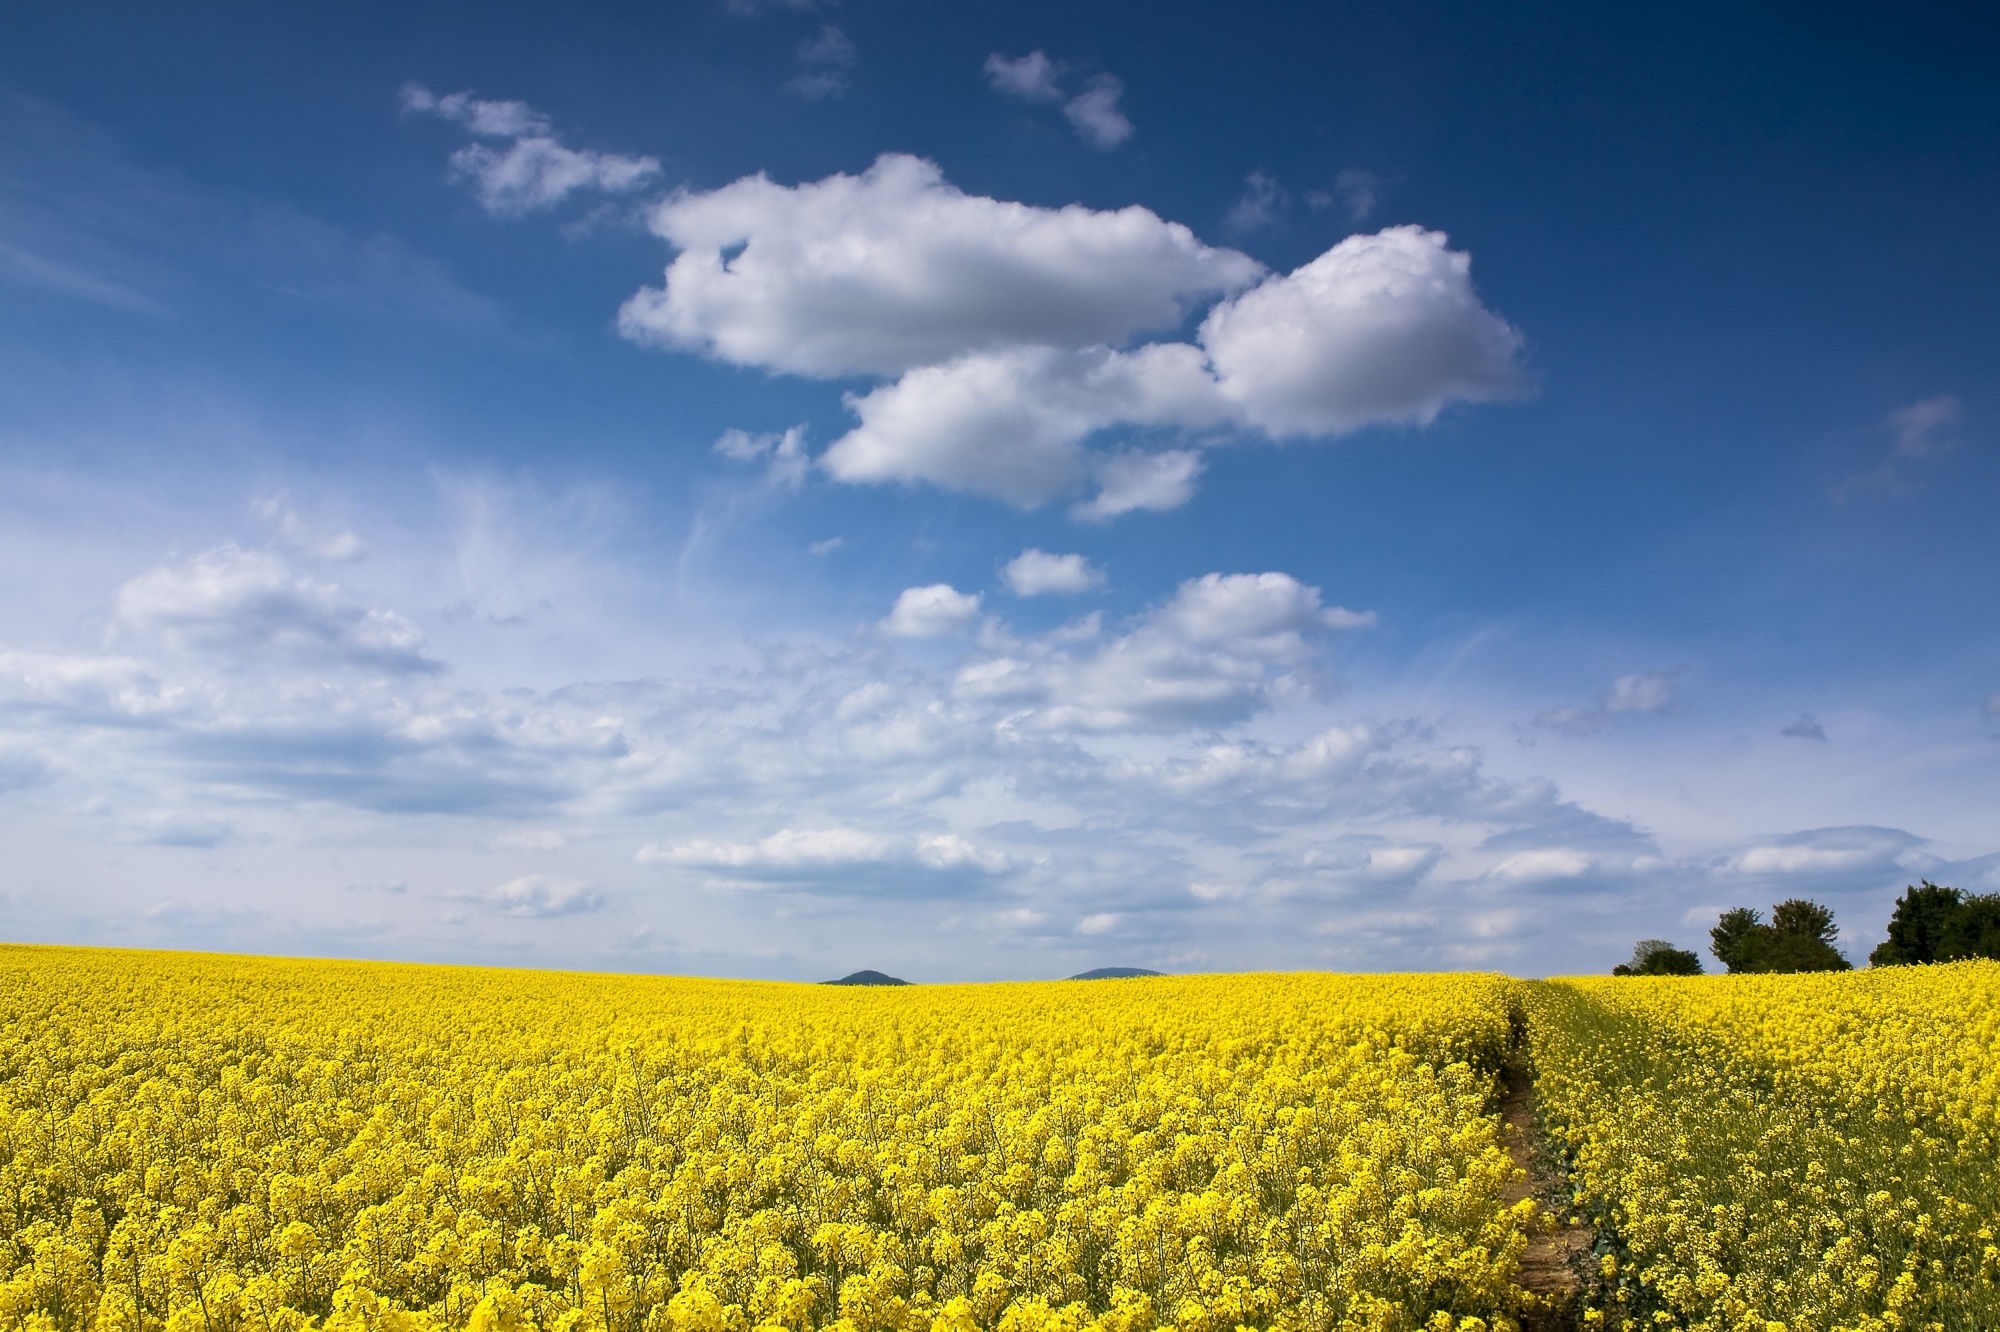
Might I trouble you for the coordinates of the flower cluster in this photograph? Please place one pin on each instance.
(1801, 1151)
(221, 1144)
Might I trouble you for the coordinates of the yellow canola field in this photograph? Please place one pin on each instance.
(215, 1143)
(1813, 1153)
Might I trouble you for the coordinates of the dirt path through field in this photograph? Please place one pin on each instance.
(1548, 1268)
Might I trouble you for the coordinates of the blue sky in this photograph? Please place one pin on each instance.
(771, 488)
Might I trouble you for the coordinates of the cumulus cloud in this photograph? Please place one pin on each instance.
(248, 605)
(1093, 113)
(1134, 481)
(1011, 424)
(931, 612)
(1381, 329)
(1031, 77)
(1186, 769)
(1005, 330)
(1035, 573)
(1223, 648)
(1641, 692)
(1807, 727)
(516, 164)
(896, 268)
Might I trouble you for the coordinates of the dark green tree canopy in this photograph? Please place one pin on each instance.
(1917, 926)
(1657, 957)
(1938, 924)
(1799, 938)
(1735, 938)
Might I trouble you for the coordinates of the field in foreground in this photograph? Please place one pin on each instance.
(229, 1143)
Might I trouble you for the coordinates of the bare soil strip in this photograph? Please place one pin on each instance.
(1549, 1269)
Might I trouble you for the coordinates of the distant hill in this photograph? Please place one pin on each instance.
(1115, 973)
(869, 978)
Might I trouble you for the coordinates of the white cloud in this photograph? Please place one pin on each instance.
(1918, 428)
(931, 612)
(1829, 853)
(1918, 433)
(248, 604)
(1093, 113)
(304, 537)
(819, 853)
(1095, 116)
(1220, 650)
(528, 168)
(823, 548)
(1134, 481)
(1035, 573)
(783, 454)
(1267, 610)
(1098, 922)
(540, 897)
(1011, 423)
(824, 61)
(1542, 865)
(1648, 691)
(1381, 329)
(1642, 692)
(1031, 77)
(896, 268)
(1261, 202)
(1357, 192)
(1001, 326)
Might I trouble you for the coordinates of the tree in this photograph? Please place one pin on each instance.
(1917, 926)
(1799, 938)
(1937, 924)
(1657, 957)
(1802, 936)
(1736, 939)
(1973, 930)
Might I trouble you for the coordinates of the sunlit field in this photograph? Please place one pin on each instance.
(1811, 1151)
(231, 1143)
(219, 1142)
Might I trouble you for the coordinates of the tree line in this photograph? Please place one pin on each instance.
(1931, 923)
